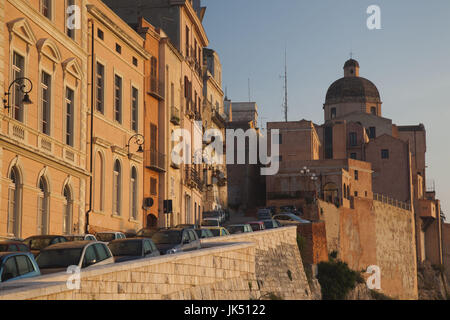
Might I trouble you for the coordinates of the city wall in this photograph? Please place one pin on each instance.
(237, 267)
(375, 233)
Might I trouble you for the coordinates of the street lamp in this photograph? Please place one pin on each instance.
(305, 172)
(139, 140)
(22, 86)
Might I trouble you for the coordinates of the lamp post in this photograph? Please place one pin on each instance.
(305, 172)
(22, 88)
(139, 140)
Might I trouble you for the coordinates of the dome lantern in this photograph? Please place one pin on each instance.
(351, 68)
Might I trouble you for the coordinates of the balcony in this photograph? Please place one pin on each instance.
(175, 115)
(218, 118)
(155, 160)
(155, 87)
(192, 178)
(427, 209)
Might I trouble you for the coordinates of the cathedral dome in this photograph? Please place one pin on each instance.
(352, 87)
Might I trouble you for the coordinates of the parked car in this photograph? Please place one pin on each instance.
(215, 214)
(211, 222)
(257, 225)
(263, 214)
(84, 254)
(204, 233)
(218, 231)
(289, 219)
(193, 226)
(132, 249)
(175, 240)
(17, 265)
(37, 243)
(146, 232)
(271, 224)
(13, 246)
(109, 236)
(239, 228)
(80, 237)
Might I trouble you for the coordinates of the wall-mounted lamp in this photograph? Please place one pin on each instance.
(22, 87)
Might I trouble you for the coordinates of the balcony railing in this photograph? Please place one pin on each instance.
(155, 87)
(155, 160)
(175, 115)
(391, 201)
(192, 178)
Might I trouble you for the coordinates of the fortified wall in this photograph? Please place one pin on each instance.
(234, 267)
(375, 233)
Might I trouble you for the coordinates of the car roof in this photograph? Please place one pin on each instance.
(70, 245)
(255, 222)
(44, 237)
(211, 227)
(129, 239)
(238, 225)
(4, 255)
(11, 242)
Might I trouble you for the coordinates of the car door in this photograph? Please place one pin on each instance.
(9, 270)
(193, 240)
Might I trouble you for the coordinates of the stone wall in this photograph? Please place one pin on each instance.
(233, 267)
(446, 250)
(375, 233)
(315, 249)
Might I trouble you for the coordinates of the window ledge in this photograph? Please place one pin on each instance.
(115, 216)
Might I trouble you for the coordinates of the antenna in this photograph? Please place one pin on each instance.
(285, 104)
(249, 99)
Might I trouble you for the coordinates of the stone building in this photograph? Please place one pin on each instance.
(119, 91)
(43, 156)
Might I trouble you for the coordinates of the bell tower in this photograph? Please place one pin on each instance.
(351, 68)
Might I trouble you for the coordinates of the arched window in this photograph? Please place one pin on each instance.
(117, 188)
(134, 195)
(99, 183)
(14, 203)
(345, 191)
(43, 210)
(67, 211)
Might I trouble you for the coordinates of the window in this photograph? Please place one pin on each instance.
(43, 210)
(356, 193)
(117, 192)
(17, 98)
(100, 34)
(353, 140)
(69, 116)
(46, 81)
(23, 265)
(46, 8)
(100, 85)
(89, 255)
(153, 183)
(118, 99)
(67, 211)
(371, 132)
(14, 203)
(281, 139)
(373, 110)
(134, 191)
(333, 113)
(118, 48)
(356, 174)
(102, 252)
(353, 156)
(384, 154)
(187, 41)
(135, 61)
(134, 109)
(70, 31)
(9, 269)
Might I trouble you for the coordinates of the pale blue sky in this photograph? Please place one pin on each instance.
(408, 60)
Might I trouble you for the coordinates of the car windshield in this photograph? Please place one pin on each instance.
(105, 237)
(167, 237)
(126, 248)
(209, 223)
(215, 232)
(235, 229)
(38, 244)
(146, 233)
(268, 224)
(59, 258)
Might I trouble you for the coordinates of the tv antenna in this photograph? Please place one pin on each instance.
(285, 87)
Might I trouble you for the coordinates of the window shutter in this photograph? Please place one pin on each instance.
(11, 211)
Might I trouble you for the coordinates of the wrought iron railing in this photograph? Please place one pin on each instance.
(155, 160)
(392, 201)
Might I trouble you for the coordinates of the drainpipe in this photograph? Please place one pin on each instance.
(86, 228)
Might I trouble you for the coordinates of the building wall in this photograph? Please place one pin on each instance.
(446, 249)
(111, 137)
(391, 177)
(36, 153)
(375, 233)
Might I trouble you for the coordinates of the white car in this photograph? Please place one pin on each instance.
(109, 236)
(211, 222)
(83, 254)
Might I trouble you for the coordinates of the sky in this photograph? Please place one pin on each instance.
(408, 60)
